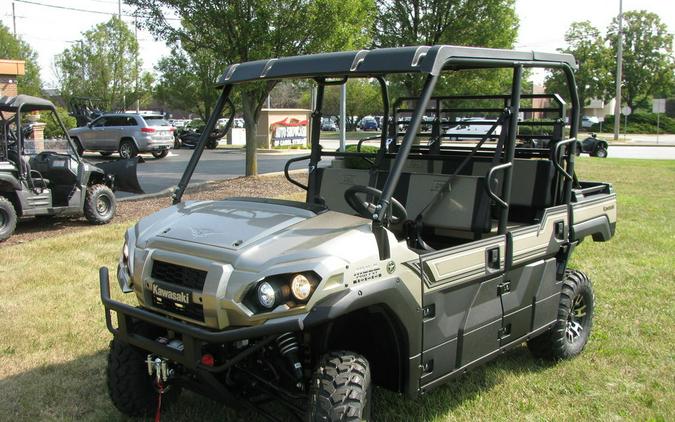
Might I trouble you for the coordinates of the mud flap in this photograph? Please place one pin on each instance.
(124, 175)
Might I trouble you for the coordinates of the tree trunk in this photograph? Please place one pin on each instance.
(250, 123)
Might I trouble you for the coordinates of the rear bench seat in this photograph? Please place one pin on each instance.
(467, 208)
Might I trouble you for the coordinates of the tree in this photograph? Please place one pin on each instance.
(595, 77)
(488, 23)
(104, 65)
(648, 62)
(16, 49)
(186, 80)
(241, 31)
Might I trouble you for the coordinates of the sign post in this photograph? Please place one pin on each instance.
(626, 110)
(658, 107)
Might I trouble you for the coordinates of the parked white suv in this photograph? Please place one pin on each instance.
(473, 128)
(126, 133)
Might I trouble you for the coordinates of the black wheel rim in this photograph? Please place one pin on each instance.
(576, 321)
(102, 205)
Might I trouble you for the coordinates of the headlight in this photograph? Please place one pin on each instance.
(289, 289)
(267, 295)
(301, 287)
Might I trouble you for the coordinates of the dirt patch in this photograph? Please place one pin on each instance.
(255, 186)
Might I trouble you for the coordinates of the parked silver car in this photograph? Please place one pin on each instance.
(126, 133)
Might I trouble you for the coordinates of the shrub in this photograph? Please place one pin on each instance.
(640, 122)
(52, 129)
(357, 162)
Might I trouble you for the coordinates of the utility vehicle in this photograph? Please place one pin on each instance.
(46, 177)
(433, 259)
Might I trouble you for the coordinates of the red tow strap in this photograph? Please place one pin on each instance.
(159, 403)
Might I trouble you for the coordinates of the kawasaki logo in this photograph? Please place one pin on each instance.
(171, 295)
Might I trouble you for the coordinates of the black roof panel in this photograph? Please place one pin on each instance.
(25, 102)
(422, 59)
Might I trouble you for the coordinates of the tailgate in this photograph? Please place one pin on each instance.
(594, 211)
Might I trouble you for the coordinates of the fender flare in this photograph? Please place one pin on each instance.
(10, 180)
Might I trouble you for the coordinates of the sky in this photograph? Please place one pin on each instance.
(543, 24)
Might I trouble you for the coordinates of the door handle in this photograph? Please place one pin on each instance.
(492, 260)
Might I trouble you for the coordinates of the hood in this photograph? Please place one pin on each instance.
(229, 224)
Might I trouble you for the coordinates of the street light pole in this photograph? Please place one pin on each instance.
(14, 19)
(619, 60)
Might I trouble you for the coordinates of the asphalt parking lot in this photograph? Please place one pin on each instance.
(156, 175)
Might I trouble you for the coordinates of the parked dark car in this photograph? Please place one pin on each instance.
(368, 123)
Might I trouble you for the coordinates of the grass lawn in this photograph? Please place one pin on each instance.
(53, 340)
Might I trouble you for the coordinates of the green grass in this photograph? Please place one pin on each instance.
(53, 339)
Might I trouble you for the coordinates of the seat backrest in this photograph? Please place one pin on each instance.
(463, 206)
(333, 182)
(531, 182)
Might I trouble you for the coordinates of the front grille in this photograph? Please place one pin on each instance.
(192, 310)
(179, 275)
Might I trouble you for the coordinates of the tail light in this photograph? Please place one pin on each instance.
(147, 129)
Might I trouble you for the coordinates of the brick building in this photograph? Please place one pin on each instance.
(9, 70)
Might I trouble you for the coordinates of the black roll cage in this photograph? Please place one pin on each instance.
(16, 117)
(563, 164)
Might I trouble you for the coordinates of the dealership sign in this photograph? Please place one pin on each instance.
(289, 131)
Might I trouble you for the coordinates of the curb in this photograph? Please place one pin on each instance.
(640, 145)
(197, 187)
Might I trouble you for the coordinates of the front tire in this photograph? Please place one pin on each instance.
(7, 218)
(341, 389)
(99, 204)
(130, 387)
(569, 335)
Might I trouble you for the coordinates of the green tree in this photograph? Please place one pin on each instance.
(648, 62)
(241, 31)
(104, 65)
(488, 23)
(186, 80)
(17, 49)
(595, 76)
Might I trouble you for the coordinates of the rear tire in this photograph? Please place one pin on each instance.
(341, 389)
(127, 149)
(99, 204)
(160, 154)
(212, 144)
(569, 335)
(7, 218)
(130, 387)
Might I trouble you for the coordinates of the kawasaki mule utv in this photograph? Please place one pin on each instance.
(403, 268)
(46, 177)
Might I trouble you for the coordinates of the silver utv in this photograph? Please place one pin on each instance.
(402, 268)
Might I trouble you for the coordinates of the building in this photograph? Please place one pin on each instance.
(9, 71)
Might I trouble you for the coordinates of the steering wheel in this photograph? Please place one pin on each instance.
(367, 208)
